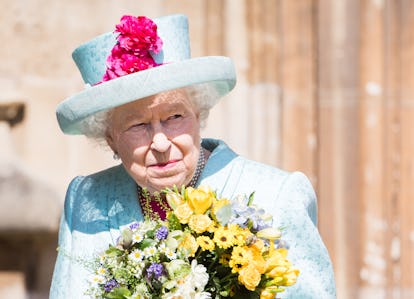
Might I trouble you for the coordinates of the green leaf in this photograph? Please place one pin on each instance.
(147, 243)
(119, 293)
(251, 198)
(113, 251)
(174, 223)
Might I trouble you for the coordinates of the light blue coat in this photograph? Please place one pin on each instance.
(96, 206)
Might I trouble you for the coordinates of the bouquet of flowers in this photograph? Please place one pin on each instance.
(208, 247)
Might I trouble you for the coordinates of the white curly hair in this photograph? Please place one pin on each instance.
(203, 95)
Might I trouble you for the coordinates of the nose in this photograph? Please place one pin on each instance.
(160, 142)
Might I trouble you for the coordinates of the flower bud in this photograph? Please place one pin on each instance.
(200, 200)
(269, 233)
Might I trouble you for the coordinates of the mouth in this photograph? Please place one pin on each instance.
(164, 164)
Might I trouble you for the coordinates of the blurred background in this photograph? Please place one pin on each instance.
(325, 87)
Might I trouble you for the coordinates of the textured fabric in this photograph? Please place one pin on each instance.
(97, 206)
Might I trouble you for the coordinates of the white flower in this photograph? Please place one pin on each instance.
(137, 237)
(170, 254)
(172, 239)
(202, 295)
(178, 269)
(147, 226)
(136, 268)
(184, 292)
(136, 255)
(101, 271)
(162, 248)
(199, 275)
(97, 279)
(141, 291)
(193, 285)
(150, 251)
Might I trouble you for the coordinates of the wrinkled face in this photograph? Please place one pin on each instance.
(157, 139)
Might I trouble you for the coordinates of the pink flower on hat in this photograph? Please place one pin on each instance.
(137, 37)
(138, 34)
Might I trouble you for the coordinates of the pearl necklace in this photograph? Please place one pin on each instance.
(156, 207)
(200, 166)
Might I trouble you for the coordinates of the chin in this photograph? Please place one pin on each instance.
(158, 185)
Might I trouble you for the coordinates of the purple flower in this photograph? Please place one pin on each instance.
(111, 284)
(155, 271)
(247, 216)
(161, 233)
(133, 225)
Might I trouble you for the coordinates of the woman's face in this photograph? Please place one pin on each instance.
(157, 139)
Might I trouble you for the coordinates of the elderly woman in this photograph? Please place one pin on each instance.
(147, 99)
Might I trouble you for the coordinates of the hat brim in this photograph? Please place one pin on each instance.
(215, 70)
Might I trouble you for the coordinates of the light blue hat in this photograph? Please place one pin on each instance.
(178, 70)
